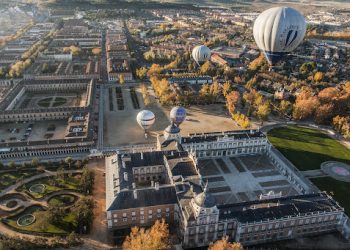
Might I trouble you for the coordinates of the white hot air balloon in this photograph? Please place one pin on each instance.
(278, 31)
(178, 115)
(145, 119)
(201, 54)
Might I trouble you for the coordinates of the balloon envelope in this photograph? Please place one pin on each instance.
(201, 54)
(178, 115)
(145, 119)
(278, 31)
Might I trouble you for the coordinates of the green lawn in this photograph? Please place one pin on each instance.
(62, 200)
(68, 183)
(41, 224)
(9, 178)
(338, 189)
(307, 148)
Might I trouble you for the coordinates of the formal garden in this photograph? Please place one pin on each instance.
(47, 199)
(307, 149)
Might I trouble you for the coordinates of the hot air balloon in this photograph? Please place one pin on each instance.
(278, 31)
(145, 119)
(201, 54)
(177, 115)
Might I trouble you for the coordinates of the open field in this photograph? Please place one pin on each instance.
(121, 127)
(307, 148)
(338, 189)
(12, 132)
(206, 118)
(120, 118)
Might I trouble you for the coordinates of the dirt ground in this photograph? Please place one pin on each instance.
(99, 232)
(120, 126)
(206, 118)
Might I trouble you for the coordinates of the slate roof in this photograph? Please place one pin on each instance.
(145, 198)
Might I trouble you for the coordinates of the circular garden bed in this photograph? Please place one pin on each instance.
(62, 200)
(37, 188)
(11, 203)
(26, 220)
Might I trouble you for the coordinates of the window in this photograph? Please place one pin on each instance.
(159, 210)
(142, 221)
(115, 221)
(159, 215)
(115, 215)
(307, 221)
(263, 227)
(125, 219)
(150, 211)
(257, 228)
(167, 214)
(124, 214)
(141, 212)
(133, 213)
(167, 209)
(301, 222)
(133, 218)
(149, 216)
(142, 217)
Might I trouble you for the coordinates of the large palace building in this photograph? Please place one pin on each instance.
(210, 185)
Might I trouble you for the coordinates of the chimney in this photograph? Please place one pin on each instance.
(135, 194)
(156, 185)
(125, 176)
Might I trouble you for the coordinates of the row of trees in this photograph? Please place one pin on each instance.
(145, 95)
(157, 238)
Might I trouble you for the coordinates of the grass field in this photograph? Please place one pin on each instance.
(41, 223)
(51, 186)
(338, 189)
(307, 148)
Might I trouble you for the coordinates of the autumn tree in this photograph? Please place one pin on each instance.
(155, 238)
(121, 79)
(96, 51)
(224, 244)
(305, 105)
(226, 89)
(232, 99)
(207, 68)
(257, 63)
(141, 73)
(263, 110)
(341, 124)
(285, 107)
(318, 77)
(154, 70)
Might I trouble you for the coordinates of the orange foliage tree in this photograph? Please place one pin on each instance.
(155, 238)
(224, 244)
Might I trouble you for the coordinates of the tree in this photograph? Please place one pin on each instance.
(155, 238)
(226, 88)
(263, 111)
(96, 51)
(55, 214)
(154, 70)
(60, 174)
(69, 160)
(324, 113)
(285, 107)
(141, 73)
(232, 99)
(83, 212)
(318, 77)
(207, 68)
(224, 244)
(73, 239)
(86, 181)
(251, 83)
(35, 162)
(12, 164)
(121, 79)
(78, 164)
(305, 105)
